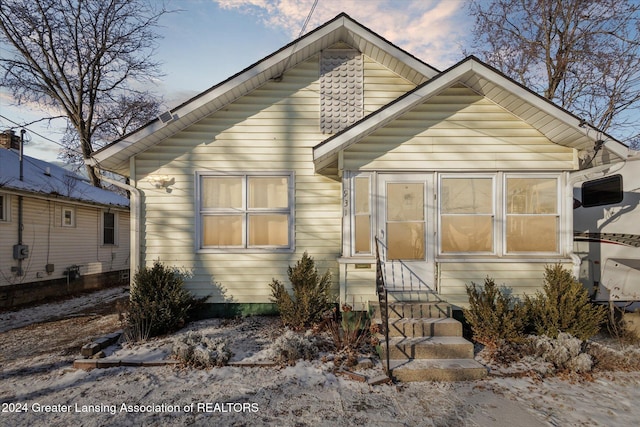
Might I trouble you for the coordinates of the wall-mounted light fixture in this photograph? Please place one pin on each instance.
(159, 181)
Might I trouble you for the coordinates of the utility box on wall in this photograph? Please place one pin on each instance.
(72, 272)
(20, 251)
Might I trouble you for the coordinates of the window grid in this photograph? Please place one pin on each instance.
(524, 216)
(68, 217)
(468, 213)
(108, 228)
(246, 220)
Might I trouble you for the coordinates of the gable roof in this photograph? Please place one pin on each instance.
(342, 28)
(554, 122)
(54, 182)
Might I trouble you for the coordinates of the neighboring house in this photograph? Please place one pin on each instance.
(59, 234)
(341, 137)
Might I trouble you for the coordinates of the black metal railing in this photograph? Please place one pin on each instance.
(383, 301)
(399, 278)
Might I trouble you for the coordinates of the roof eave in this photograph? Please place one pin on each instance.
(114, 157)
(467, 71)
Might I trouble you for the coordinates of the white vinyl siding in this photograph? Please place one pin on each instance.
(522, 277)
(274, 128)
(50, 243)
(458, 130)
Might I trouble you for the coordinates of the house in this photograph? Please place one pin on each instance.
(59, 234)
(339, 139)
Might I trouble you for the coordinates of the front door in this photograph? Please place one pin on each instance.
(405, 226)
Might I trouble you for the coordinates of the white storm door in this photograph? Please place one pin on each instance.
(405, 223)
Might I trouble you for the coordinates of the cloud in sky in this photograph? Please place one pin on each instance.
(432, 30)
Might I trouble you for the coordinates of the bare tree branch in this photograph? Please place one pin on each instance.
(582, 54)
(83, 57)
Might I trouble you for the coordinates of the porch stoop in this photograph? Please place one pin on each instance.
(426, 343)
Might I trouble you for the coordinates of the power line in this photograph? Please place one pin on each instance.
(41, 136)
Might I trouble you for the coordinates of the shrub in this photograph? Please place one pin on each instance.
(159, 304)
(564, 306)
(607, 358)
(197, 350)
(311, 294)
(349, 332)
(291, 346)
(495, 318)
(566, 353)
(620, 328)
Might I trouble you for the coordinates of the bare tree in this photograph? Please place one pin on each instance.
(123, 116)
(88, 58)
(582, 54)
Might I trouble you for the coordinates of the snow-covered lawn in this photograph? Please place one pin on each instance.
(42, 388)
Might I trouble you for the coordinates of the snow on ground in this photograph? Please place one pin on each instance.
(54, 310)
(45, 390)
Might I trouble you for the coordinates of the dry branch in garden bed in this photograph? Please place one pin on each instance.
(88, 364)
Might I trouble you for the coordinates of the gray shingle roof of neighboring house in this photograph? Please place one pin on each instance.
(46, 179)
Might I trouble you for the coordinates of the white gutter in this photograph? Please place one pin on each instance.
(134, 223)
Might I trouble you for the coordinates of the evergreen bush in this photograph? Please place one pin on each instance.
(494, 317)
(311, 294)
(159, 304)
(563, 306)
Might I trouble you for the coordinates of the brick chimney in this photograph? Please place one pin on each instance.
(9, 139)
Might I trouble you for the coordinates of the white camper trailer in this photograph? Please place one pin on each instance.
(607, 231)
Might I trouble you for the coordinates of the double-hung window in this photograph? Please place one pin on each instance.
(532, 214)
(68, 217)
(499, 214)
(467, 221)
(245, 211)
(109, 228)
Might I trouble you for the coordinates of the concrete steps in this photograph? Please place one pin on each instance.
(430, 327)
(437, 370)
(426, 343)
(413, 310)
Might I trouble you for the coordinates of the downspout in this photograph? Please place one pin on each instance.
(20, 202)
(575, 177)
(134, 227)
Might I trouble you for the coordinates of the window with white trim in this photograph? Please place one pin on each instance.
(109, 228)
(4, 207)
(499, 214)
(467, 209)
(245, 211)
(532, 214)
(362, 214)
(68, 217)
